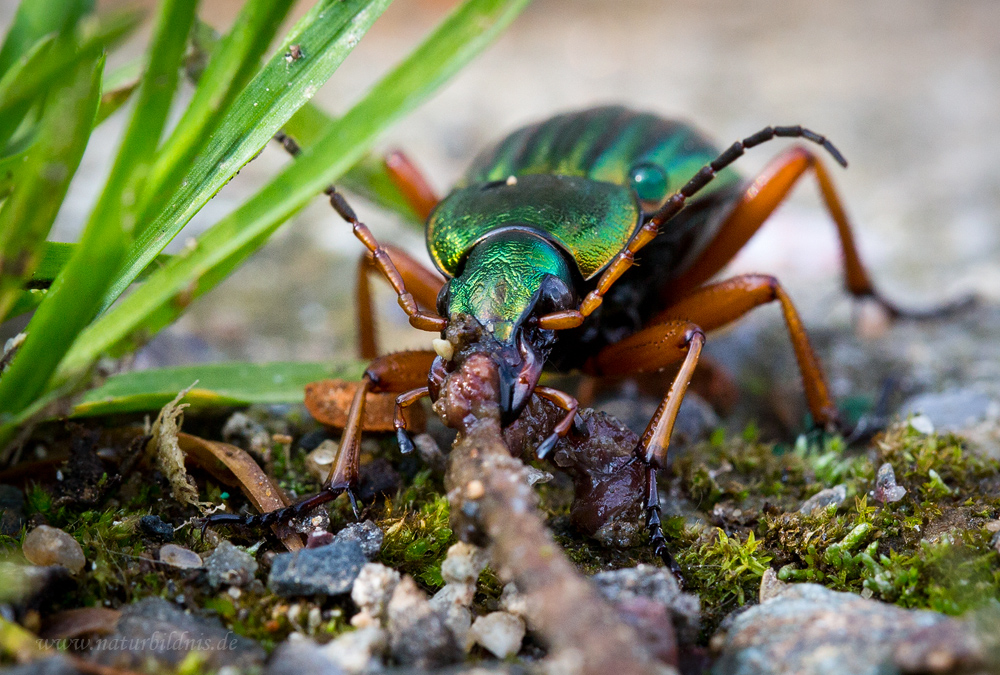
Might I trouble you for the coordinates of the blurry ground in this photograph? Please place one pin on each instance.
(908, 89)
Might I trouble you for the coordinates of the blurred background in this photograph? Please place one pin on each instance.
(909, 90)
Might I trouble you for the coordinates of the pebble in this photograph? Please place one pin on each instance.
(371, 592)
(463, 564)
(301, 657)
(500, 633)
(418, 635)
(886, 490)
(951, 410)
(230, 565)
(367, 534)
(242, 431)
(327, 570)
(359, 651)
(178, 556)
(11, 510)
(157, 631)
(658, 584)
(320, 460)
(834, 496)
(46, 545)
(921, 424)
(809, 630)
(155, 527)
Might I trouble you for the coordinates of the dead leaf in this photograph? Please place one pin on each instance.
(328, 401)
(74, 623)
(169, 458)
(234, 467)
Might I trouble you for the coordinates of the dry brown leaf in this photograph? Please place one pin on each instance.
(74, 623)
(329, 400)
(234, 467)
(169, 458)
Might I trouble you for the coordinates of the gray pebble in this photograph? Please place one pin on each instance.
(301, 657)
(809, 630)
(367, 534)
(657, 584)
(158, 631)
(952, 410)
(327, 570)
(229, 565)
(886, 490)
(178, 556)
(46, 545)
(834, 496)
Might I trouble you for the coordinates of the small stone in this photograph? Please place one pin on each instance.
(500, 633)
(230, 565)
(302, 657)
(46, 545)
(992, 526)
(922, 424)
(242, 431)
(771, 586)
(418, 635)
(11, 510)
(373, 588)
(178, 556)
(158, 632)
(652, 625)
(952, 410)
(452, 602)
(317, 538)
(359, 651)
(834, 496)
(886, 490)
(327, 570)
(655, 583)
(514, 601)
(320, 460)
(367, 534)
(155, 527)
(463, 564)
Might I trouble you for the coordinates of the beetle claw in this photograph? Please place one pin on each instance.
(405, 444)
(546, 446)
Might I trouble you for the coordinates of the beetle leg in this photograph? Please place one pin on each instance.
(766, 192)
(719, 304)
(392, 372)
(422, 281)
(399, 422)
(411, 183)
(651, 349)
(567, 403)
(420, 319)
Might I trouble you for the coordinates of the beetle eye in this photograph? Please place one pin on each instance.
(553, 296)
(444, 299)
(649, 182)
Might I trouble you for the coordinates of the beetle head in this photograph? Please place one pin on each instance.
(508, 279)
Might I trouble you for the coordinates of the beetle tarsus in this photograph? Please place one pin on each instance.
(405, 444)
(657, 540)
(545, 447)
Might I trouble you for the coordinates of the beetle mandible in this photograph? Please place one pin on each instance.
(536, 246)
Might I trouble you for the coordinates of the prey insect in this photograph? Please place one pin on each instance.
(535, 253)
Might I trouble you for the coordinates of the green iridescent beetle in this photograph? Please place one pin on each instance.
(536, 246)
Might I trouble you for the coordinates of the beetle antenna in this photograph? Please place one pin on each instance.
(671, 207)
(418, 318)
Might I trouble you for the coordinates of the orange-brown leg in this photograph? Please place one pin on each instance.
(424, 283)
(650, 349)
(411, 183)
(719, 304)
(766, 192)
(392, 372)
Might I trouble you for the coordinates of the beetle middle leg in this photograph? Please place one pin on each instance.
(766, 192)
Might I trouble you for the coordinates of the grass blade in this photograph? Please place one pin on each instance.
(219, 384)
(325, 36)
(27, 215)
(35, 19)
(233, 63)
(463, 34)
(72, 301)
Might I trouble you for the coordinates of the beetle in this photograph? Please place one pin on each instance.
(535, 249)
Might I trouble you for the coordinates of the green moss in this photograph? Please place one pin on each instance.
(417, 532)
(723, 570)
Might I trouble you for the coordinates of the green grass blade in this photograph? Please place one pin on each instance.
(326, 36)
(55, 255)
(233, 239)
(219, 384)
(119, 85)
(233, 63)
(72, 301)
(50, 58)
(35, 19)
(27, 215)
